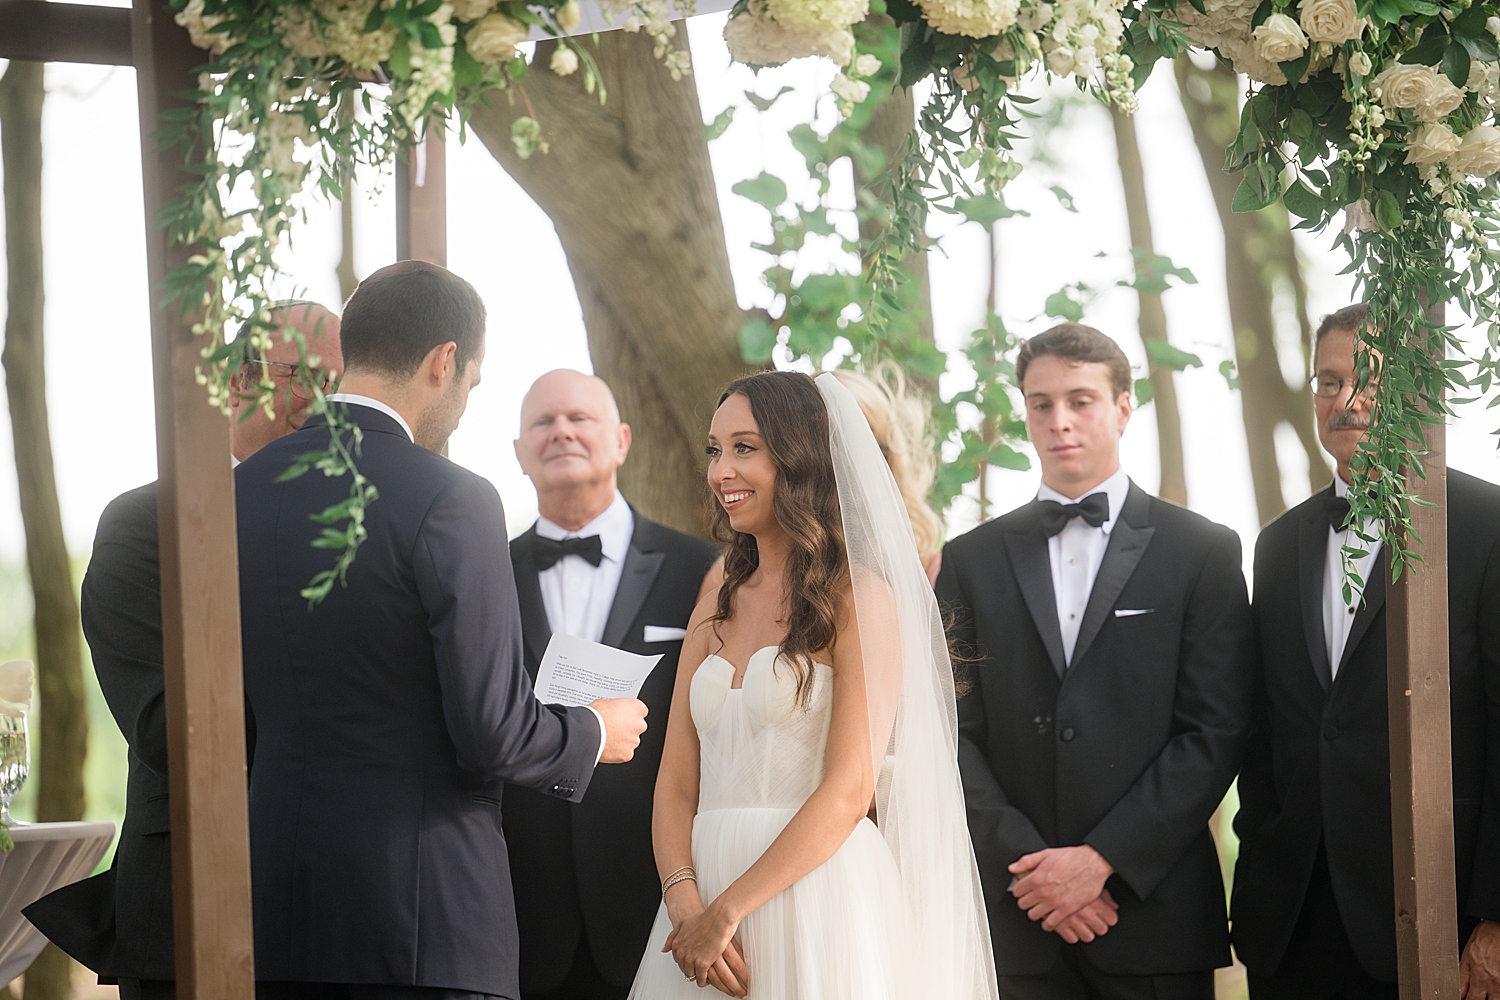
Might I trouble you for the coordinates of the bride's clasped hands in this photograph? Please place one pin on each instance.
(702, 941)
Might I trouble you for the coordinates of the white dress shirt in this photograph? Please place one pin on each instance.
(1338, 616)
(577, 595)
(374, 404)
(1076, 553)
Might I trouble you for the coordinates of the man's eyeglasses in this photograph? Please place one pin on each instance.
(302, 379)
(1329, 386)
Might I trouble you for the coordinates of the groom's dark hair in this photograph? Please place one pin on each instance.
(400, 313)
(1078, 345)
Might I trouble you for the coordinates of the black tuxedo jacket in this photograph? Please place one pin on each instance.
(119, 923)
(1129, 749)
(387, 721)
(1317, 765)
(588, 866)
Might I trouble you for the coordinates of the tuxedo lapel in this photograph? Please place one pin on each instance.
(534, 625)
(1033, 569)
(636, 578)
(1312, 559)
(1370, 604)
(1127, 543)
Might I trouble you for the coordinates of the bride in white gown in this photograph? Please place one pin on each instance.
(822, 700)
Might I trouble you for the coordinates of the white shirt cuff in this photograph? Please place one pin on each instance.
(602, 734)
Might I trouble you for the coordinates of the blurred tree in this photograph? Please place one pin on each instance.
(1153, 318)
(348, 280)
(628, 186)
(63, 721)
(1258, 252)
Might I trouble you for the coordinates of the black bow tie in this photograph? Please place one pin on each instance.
(1055, 516)
(550, 550)
(1338, 512)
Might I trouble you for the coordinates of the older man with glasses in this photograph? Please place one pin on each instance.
(1313, 907)
(291, 380)
(119, 923)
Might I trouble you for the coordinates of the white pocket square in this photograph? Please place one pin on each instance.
(661, 633)
(1132, 612)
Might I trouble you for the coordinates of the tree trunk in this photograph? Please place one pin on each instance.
(348, 280)
(1257, 247)
(1153, 318)
(631, 193)
(63, 724)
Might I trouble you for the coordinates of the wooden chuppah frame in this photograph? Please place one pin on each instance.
(200, 585)
(199, 562)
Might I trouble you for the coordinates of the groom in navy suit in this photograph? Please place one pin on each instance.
(385, 721)
(1107, 635)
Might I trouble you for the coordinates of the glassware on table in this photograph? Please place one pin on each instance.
(15, 761)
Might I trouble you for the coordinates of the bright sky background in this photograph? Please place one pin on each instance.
(98, 365)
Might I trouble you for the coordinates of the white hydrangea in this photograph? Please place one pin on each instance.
(200, 28)
(817, 17)
(757, 39)
(1225, 25)
(343, 30)
(471, 10)
(972, 18)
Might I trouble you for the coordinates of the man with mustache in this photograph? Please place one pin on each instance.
(585, 879)
(1313, 906)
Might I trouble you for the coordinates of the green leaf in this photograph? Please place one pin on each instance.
(1302, 202)
(293, 471)
(428, 31)
(1387, 210)
(1472, 22)
(400, 60)
(526, 136)
(1226, 369)
(1296, 69)
(720, 123)
(1260, 187)
(1062, 305)
(467, 71)
(375, 20)
(764, 103)
(985, 209)
(1430, 49)
(766, 189)
(1063, 197)
(1144, 391)
(1456, 63)
(1387, 11)
(758, 341)
(1481, 47)
(1164, 355)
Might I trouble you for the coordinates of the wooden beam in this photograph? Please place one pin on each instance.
(422, 199)
(1421, 741)
(39, 31)
(199, 580)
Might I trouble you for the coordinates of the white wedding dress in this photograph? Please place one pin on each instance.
(835, 933)
(897, 913)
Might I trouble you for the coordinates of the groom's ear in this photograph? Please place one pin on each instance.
(440, 366)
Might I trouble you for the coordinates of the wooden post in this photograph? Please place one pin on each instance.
(422, 199)
(199, 579)
(1421, 741)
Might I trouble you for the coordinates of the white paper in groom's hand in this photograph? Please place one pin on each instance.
(575, 672)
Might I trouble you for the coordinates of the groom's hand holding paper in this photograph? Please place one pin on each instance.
(577, 672)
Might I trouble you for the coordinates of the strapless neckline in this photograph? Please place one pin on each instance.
(768, 695)
(736, 670)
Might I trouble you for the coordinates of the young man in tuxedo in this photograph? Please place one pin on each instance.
(584, 875)
(1314, 902)
(388, 719)
(1104, 676)
(119, 923)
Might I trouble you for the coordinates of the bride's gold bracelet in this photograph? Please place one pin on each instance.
(683, 874)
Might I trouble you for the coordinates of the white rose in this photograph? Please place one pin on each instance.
(971, 18)
(494, 38)
(470, 10)
(1060, 60)
(1359, 216)
(1331, 21)
(564, 61)
(853, 91)
(866, 65)
(1279, 39)
(569, 16)
(1404, 86)
(1479, 154)
(1431, 143)
(1359, 64)
(1442, 101)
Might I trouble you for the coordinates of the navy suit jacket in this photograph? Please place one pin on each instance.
(386, 722)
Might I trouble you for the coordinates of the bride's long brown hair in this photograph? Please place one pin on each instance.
(793, 423)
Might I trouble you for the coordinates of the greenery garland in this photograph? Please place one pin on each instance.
(310, 90)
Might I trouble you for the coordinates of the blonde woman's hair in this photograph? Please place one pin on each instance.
(898, 418)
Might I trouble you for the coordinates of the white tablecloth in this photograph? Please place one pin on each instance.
(48, 856)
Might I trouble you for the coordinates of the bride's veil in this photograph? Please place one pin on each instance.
(913, 719)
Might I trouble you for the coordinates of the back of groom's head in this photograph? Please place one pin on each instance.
(400, 313)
